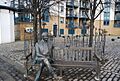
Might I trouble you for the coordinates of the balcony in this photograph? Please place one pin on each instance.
(72, 25)
(83, 16)
(117, 17)
(22, 19)
(117, 25)
(118, 1)
(71, 15)
(83, 6)
(117, 9)
(72, 4)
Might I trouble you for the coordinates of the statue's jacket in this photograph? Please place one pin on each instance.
(43, 50)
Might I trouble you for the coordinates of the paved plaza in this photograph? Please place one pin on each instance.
(12, 68)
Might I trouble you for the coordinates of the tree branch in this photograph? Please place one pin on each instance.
(97, 4)
(86, 10)
(99, 13)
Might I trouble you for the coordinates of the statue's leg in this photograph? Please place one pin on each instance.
(38, 75)
(49, 67)
(33, 67)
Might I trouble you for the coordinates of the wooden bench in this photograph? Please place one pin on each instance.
(73, 57)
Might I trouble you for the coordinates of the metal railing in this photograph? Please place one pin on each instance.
(72, 25)
(72, 15)
(72, 3)
(117, 17)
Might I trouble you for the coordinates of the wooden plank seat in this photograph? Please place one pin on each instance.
(74, 64)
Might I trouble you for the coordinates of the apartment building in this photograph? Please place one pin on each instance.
(69, 17)
(110, 17)
(65, 18)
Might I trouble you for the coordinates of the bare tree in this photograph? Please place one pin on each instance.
(94, 6)
(37, 9)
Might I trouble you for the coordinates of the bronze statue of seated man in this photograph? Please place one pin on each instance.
(43, 51)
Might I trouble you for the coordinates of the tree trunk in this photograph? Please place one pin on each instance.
(91, 32)
(35, 6)
(35, 28)
(40, 27)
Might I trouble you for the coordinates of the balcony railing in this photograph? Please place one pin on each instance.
(117, 9)
(117, 17)
(117, 25)
(22, 19)
(117, 0)
(82, 6)
(83, 16)
(75, 4)
(72, 25)
(72, 15)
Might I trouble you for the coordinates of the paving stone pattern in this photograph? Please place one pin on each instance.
(110, 71)
(9, 73)
(13, 51)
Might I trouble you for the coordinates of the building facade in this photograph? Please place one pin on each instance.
(69, 17)
(110, 17)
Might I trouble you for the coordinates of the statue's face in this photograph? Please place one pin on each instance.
(45, 38)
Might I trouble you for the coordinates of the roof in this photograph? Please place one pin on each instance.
(7, 8)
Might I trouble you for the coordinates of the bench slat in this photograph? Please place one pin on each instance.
(74, 54)
(80, 48)
(69, 66)
(75, 64)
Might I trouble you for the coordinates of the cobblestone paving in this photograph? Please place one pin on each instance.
(110, 71)
(9, 73)
(13, 51)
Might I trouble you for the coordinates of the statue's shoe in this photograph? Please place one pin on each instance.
(97, 78)
(58, 78)
(48, 78)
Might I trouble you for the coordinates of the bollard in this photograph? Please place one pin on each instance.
(112, 39)
(118, 37)
(109, 34)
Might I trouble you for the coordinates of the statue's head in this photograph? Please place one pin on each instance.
(45, 36)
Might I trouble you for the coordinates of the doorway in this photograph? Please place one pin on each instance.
(55, 30)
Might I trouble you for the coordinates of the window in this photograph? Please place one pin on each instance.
(117, 24)
(46, 16)
(61, 31)
(106, 18)
(62, 8)
(117, 16)
(61, 19)
(106, 14)
(106, 22)
(71, 31)
(83, 13)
